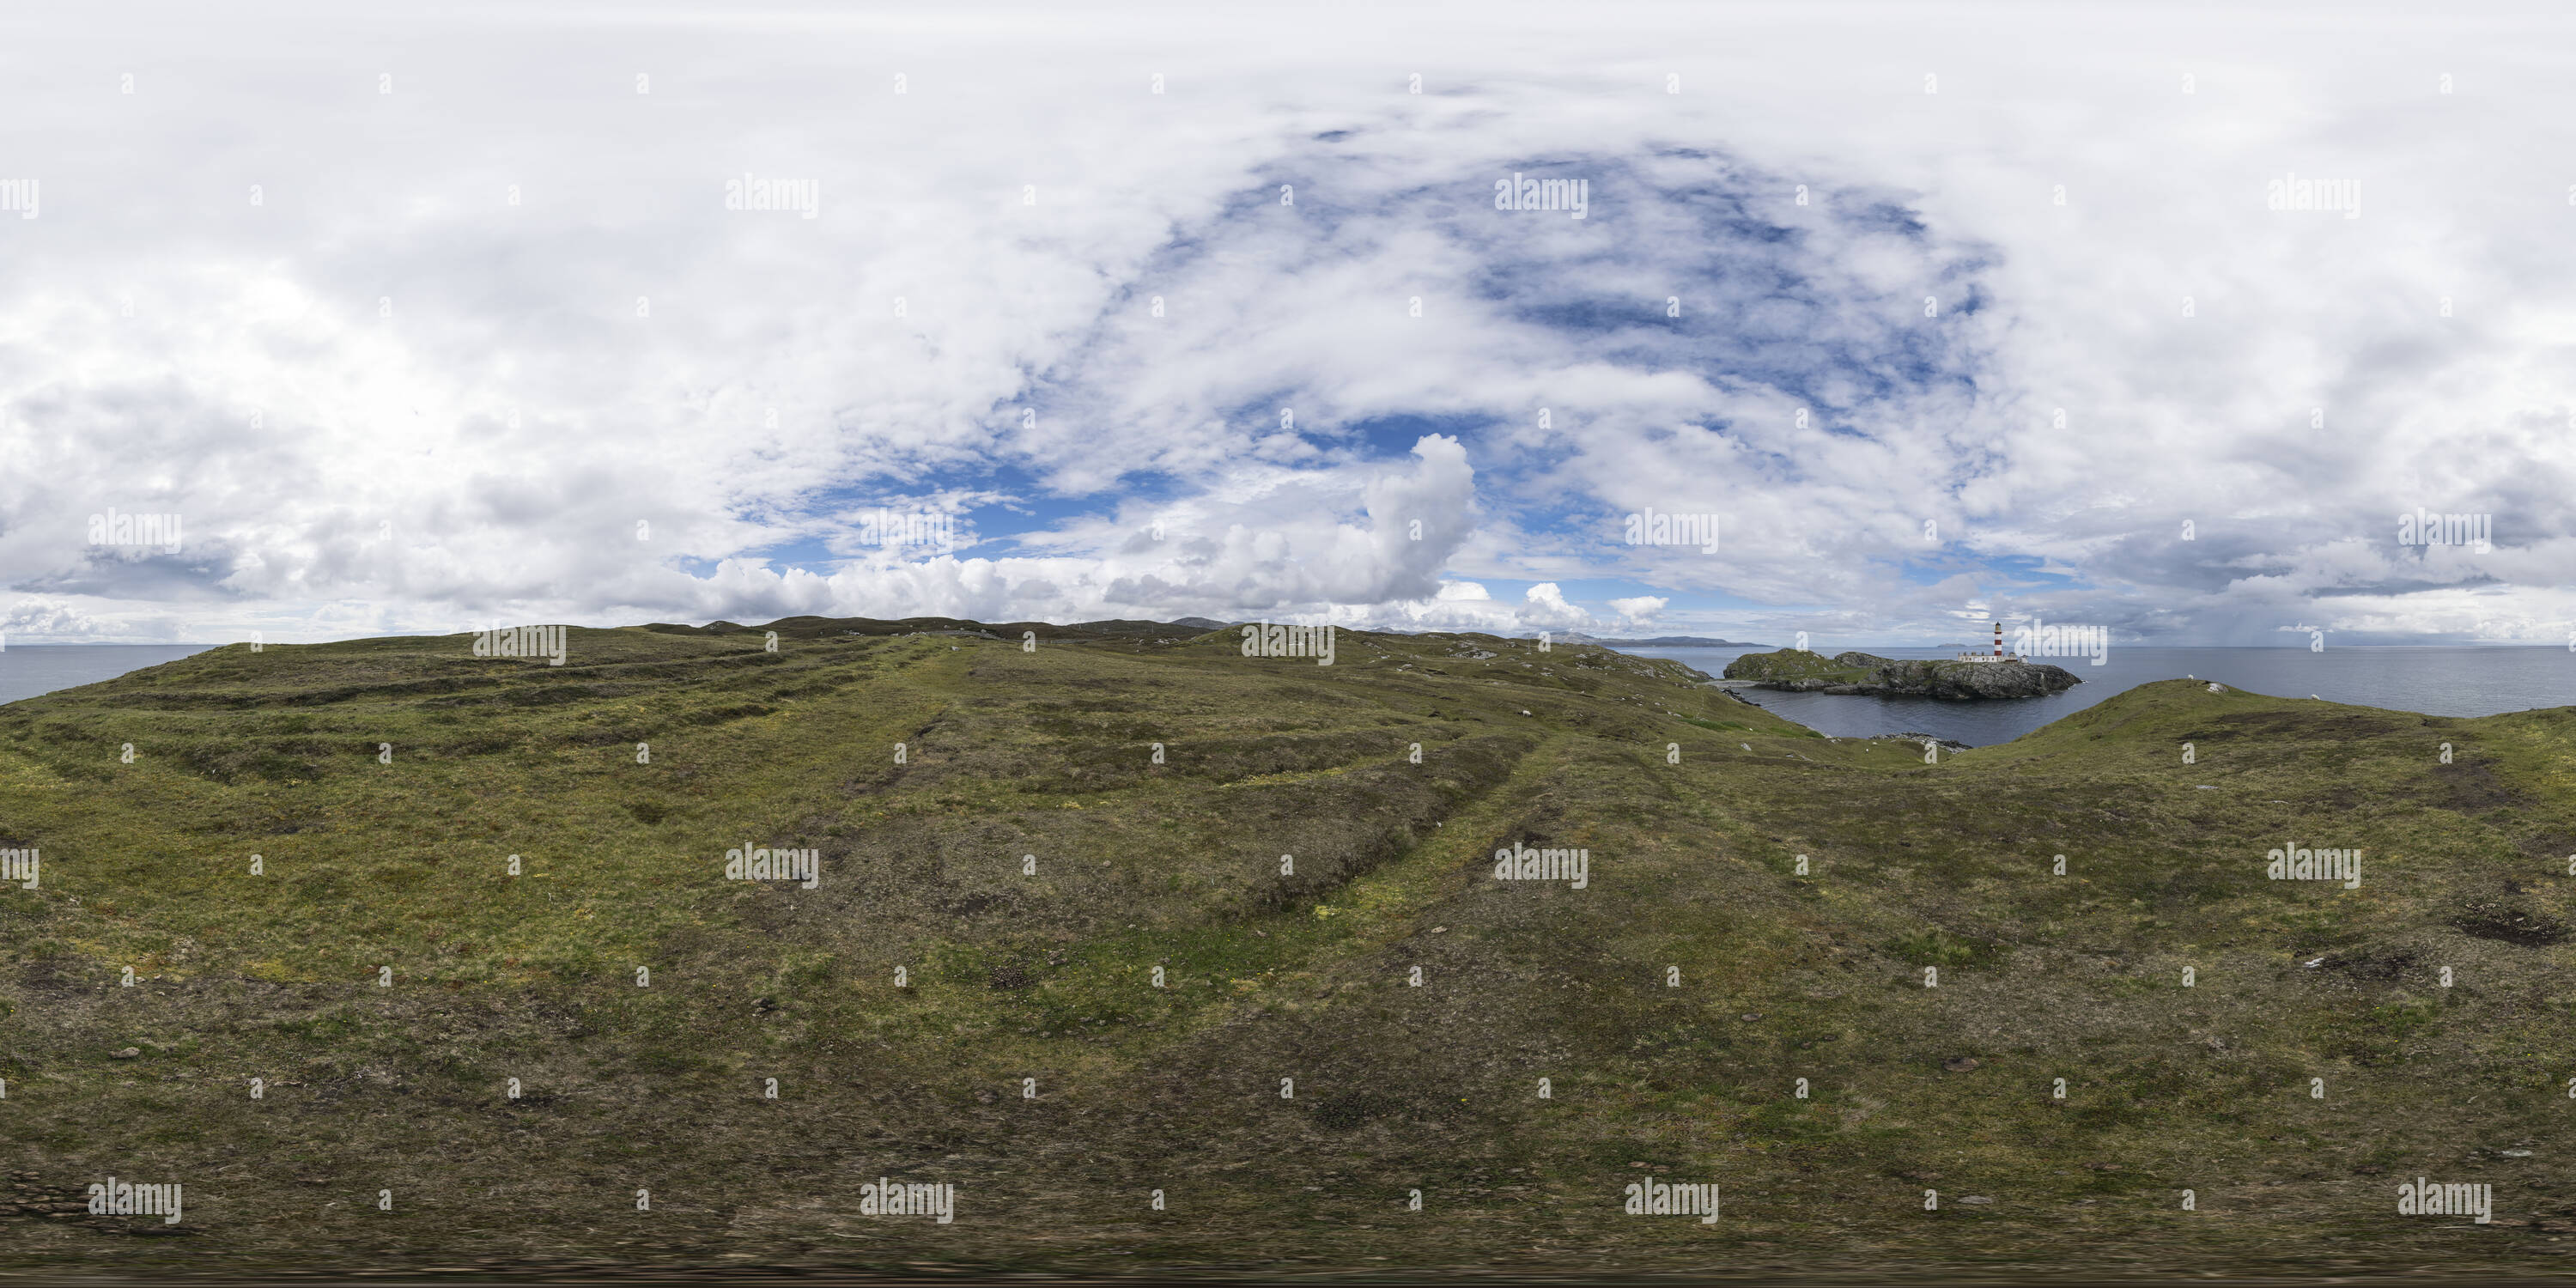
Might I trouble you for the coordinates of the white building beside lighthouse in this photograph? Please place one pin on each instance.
(1999, 655)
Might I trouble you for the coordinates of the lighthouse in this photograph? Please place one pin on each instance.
(1998, 655)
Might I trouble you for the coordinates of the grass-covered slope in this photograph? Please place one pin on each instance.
(1030, 1061)
(1792, 664)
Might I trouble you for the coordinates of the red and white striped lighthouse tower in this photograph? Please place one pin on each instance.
(1999, 641)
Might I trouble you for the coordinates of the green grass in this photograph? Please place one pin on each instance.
(1795, 664)
(1672, 1005)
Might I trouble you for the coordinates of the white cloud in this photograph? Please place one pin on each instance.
(49, 619)
(1639, 610)
(1547, 607)
(387, 399)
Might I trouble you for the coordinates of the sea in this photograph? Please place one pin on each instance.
(30, 669)
(2441, 680)
(2432, 679)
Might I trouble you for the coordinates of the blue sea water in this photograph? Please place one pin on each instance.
(2440, 680)
(30, 669)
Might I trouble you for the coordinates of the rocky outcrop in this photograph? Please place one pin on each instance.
(1868, 673)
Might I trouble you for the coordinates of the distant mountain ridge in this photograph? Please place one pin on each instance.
(1659, 641)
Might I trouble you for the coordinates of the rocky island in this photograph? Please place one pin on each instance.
(1867, 673)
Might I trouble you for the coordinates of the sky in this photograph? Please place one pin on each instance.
(319, 322)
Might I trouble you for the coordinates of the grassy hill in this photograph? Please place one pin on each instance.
(1028, 1058)
(1790, 664)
